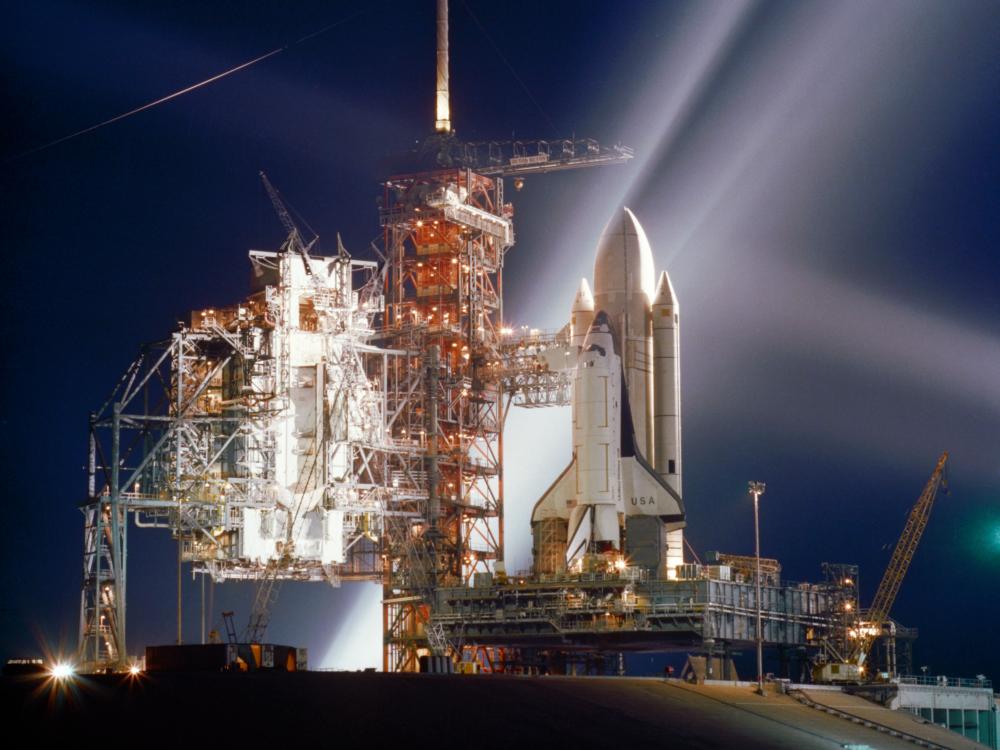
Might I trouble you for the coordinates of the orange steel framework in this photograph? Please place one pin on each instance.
(445, 234)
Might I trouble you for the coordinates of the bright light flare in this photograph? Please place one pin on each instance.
(62, 671)
(135, 670)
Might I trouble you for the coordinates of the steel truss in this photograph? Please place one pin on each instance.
(445, 237)
(191, 440)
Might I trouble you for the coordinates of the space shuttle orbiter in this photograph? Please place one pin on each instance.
(622, 488)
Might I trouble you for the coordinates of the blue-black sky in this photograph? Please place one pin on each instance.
(820, 179)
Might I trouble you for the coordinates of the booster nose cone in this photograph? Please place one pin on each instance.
(624, 263)
(582, 314)
(665, 294)
(584, 300)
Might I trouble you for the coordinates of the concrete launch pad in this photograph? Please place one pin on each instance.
(490, 711)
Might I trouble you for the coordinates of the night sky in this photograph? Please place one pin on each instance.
(821, 180)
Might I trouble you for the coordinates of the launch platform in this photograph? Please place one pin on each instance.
(629, 610)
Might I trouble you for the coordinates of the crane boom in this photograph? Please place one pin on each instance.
(892, 579)
(294, 243)
(265, 596)
(279, 206)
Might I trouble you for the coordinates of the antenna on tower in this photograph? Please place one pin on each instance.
(442, 123)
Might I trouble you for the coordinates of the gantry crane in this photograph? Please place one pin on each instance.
(868, 628)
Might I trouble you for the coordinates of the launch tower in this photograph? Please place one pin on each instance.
(446, 228)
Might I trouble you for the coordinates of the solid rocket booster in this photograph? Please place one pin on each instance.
(626, 407)
(667, 401)
(666, 383)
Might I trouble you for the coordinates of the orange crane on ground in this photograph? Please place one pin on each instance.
(868, 628)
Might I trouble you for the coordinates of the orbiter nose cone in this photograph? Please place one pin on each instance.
(624, 261)
(665, 294)
(584, 300)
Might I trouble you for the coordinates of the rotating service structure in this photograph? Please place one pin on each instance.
(256, 434)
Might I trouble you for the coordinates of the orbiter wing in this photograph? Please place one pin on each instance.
(559, 498)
